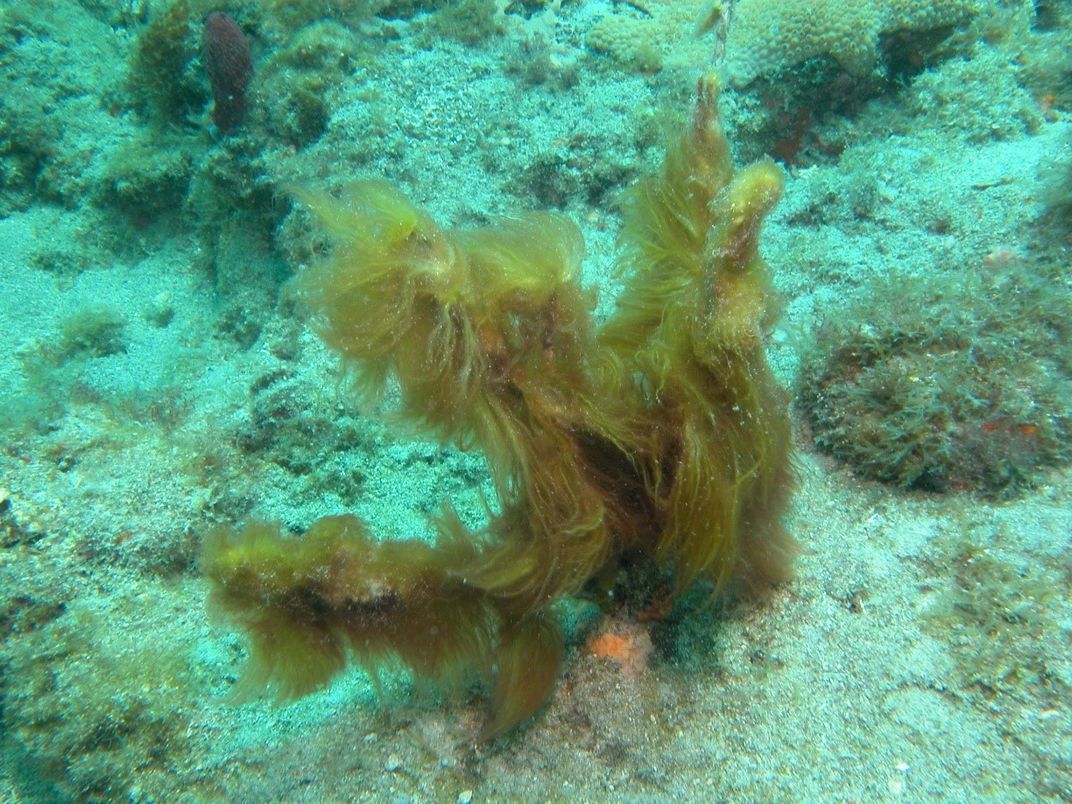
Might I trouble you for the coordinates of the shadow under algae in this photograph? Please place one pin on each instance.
(661, 433)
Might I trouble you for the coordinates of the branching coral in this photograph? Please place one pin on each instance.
(663, 433)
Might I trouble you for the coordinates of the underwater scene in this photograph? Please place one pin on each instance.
(535, 400)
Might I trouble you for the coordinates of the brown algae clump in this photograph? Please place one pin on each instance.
(662, 434)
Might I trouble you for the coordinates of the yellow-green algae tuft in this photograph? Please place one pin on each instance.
(662, 433)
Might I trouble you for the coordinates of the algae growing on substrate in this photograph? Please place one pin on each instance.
(660, 434)
(958, 382)
(160, 382)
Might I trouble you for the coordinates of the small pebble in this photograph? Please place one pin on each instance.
(394, 762)
(465, 796)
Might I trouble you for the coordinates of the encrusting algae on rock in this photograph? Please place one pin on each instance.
(661, 434)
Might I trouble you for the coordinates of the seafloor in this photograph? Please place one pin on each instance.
(157, 381)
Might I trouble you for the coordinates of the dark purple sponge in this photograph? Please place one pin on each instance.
(225, 50)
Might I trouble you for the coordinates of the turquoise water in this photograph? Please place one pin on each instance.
(164, 376)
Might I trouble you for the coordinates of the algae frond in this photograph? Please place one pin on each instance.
(661, 433)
